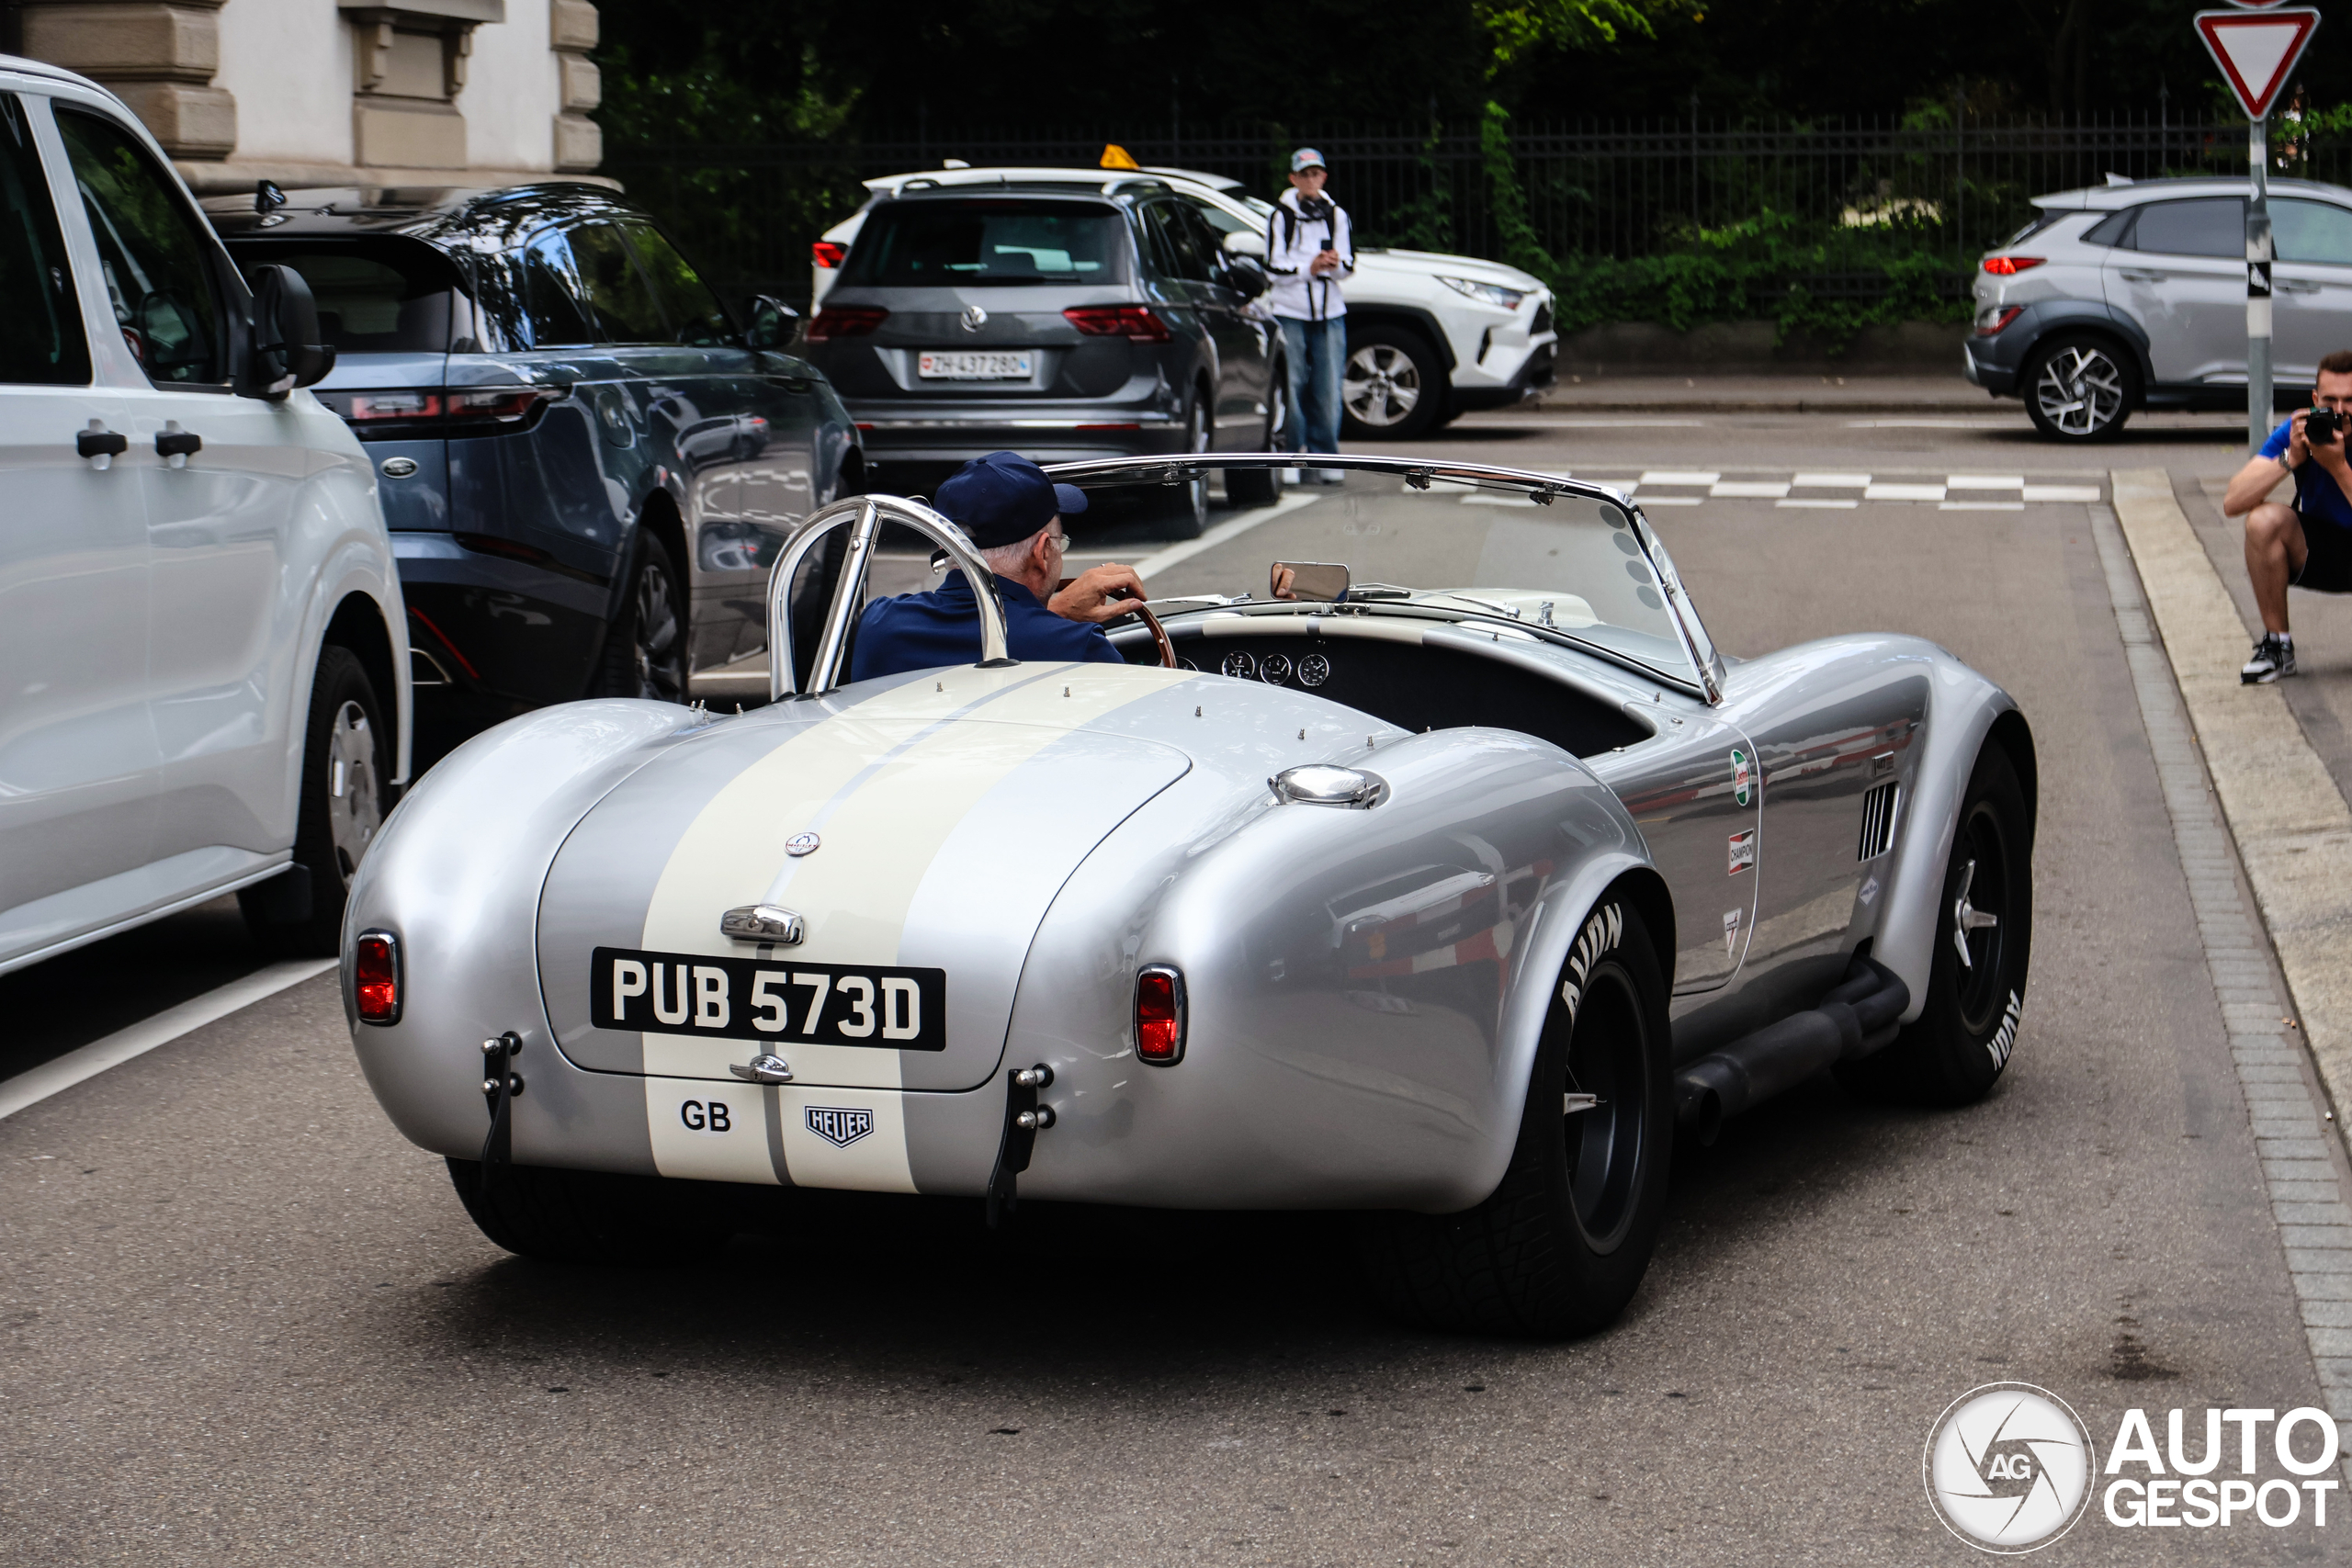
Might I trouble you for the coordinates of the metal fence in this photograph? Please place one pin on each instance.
(1529, 191)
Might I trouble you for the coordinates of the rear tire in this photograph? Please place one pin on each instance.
(645, 648)
(1563, 1242)
(1182, 512)
(1394, 386)
(1263, 487)
(344, 785)
(2080, 388)
(1961, 1040)
(581, 1216)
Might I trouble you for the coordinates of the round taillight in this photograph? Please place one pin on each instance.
(1160, 1016)
(376, 977)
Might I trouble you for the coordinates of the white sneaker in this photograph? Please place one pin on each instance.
(1330, 475)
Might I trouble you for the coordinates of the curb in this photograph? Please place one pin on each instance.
(1771, 405)
(2292, 827)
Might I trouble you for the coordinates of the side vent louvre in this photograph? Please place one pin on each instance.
(1878, 821)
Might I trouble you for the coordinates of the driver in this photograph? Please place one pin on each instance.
(1013, 515)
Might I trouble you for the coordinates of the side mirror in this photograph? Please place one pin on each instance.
(773, 322)
(1246, 242)
(1246, 277)
(283, 350)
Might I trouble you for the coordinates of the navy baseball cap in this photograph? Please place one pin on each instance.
(1003, 497)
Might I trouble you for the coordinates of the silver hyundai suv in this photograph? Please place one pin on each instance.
(2132, 296)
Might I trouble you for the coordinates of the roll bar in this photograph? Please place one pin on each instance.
(863, 515)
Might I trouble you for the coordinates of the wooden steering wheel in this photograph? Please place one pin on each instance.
(1160, 639)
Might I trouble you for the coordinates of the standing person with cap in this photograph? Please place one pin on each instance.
(1310, 252)
(1013, 515)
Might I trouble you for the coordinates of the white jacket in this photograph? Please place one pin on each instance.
(1292, 244)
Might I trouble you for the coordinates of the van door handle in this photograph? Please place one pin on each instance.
(99, 444)
(2286, 287)
(2133, 275)
(177, 445)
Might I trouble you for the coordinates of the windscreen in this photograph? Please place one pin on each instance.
(375, 296)
(1582, 569)
(947, 243)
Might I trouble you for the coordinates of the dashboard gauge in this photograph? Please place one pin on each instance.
(1240, 665)
(1274, 669)
(1314, 670)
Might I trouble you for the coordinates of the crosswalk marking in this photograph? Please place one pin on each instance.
(1982, 506)
(1680, 487)
(1826, 505)
(1830, 481)
(1677, 476)
(1985, 481)
(1755, 490)
(1903, 492)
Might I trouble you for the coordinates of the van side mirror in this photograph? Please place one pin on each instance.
(282, 348)
(773, 322)
(1245, 242)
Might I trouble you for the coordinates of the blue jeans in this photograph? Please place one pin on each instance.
(1315, 352)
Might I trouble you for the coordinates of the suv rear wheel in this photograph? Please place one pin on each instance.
(1263, 487)
(2081, 387)
(1182, 512)
(645, 651)
(1393, 385)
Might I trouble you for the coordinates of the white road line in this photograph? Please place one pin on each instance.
(1672, 499)
(1985, 481)
(75, 1067)
(1678, 477)
(1830, 481)
(1754, 489)
(1231, 528)
(1833, 505)
(1490, 500)
(2062, 492)
(1904, 492)
(1931, 424)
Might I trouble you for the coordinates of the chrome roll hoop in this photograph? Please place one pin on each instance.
(864, 515)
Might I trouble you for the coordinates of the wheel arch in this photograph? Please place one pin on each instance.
(1412, 318)
(2057, 318)
(660, 517)
(358, 626)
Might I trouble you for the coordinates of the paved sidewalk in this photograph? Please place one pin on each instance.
(1819, 392)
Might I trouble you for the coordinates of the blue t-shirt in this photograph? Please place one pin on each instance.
(927, 631)
(2316, 492)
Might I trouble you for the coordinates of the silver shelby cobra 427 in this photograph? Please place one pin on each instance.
(1425, 858)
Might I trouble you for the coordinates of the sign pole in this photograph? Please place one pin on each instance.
(2259, 400)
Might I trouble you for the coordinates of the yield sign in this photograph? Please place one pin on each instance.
(2255, 50)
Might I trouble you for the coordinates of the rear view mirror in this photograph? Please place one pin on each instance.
(283, 350)
(1309, 582)
(773, 323)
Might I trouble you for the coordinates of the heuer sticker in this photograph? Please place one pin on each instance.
(838, 1126)
(1739, 792)
(1731, 931)
(1743, 853)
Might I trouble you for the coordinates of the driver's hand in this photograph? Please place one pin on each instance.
(1087, 597)
(1284, 582)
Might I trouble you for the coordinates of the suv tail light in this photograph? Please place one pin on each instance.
(376, 977)
(1990, 323)
(845, 320)
(1160, 1016)
(1133, 322)
(828, 253)
(388, 414)
(2010, 266)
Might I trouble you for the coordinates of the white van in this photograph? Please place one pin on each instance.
(203, 655)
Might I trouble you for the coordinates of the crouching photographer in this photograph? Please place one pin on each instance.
(2309, 544)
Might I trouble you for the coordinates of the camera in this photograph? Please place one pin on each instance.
(2324, 427)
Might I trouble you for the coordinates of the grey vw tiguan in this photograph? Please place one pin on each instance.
(1055, 323)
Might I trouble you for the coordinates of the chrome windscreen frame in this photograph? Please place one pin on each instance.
(864, 515)
(1706, 664)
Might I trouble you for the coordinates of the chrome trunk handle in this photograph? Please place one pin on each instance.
(864, 516)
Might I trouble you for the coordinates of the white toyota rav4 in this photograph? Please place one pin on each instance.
(1430, 336)
(204, 678)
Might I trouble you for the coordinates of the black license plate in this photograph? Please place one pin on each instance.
(753, 998)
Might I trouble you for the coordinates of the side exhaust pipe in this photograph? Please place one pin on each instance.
(1854, 1020)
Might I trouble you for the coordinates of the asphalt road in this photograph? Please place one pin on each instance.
(243, 1320)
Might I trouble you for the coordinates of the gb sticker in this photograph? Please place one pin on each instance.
(1739, 787)
(1743, 853)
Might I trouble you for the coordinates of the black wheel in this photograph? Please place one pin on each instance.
(582, 1217)
(1181, 510)
(1393, 387)
(1961, 1040)
(346, 751)
(2080, 387)
(1263, 487)
(645, 648)
(1562, 1244)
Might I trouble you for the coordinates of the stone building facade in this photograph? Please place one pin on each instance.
(340, 91)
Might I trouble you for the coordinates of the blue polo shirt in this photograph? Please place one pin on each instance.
(927, 631)
(2316, 492)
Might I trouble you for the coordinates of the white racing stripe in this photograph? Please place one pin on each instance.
(897, 776)
(32, 1087)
